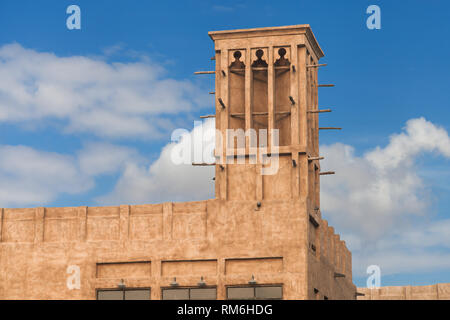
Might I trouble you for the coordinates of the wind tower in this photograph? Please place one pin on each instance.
(266, 79)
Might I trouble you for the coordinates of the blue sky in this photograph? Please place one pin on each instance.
(383, 79)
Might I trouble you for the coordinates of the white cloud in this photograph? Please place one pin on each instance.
(164, 180)
(29, 177)
(108, 99)
(381, 205)
(104, 158)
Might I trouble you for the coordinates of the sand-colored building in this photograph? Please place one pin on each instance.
(262, 237)
(440, 291)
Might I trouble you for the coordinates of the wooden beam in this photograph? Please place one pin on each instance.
(292, 100)
(204, 72)
(329, 128)
(325, 85)
(319, 111)
(203, 164)
(325, 173)
(212, 92)
(316, 65)
(221, 103)
(285, 115)
(208, 116)
(313, 221)
(315, 158)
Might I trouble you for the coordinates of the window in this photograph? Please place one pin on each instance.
(255, 293)
(126, 294)
(189, 294)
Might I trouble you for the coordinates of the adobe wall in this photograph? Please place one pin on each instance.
(148, 245)
(440, 291)
(225, 242)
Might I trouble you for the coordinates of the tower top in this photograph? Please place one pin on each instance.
(267, 108)
(299, 29)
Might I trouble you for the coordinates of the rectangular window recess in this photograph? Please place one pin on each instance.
(193, 293)
(263, 292)
(124, 294)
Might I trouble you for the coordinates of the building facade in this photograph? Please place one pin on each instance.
(262, 237)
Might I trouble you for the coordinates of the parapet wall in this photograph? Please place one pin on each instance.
(137, 222)
(440, 291)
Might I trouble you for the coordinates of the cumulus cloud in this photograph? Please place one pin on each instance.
(376, 200)
(104, 158)
(423, 247)
(30, 177)
(91, 95)
(167, 179)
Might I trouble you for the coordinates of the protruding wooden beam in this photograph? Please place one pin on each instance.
(326, 85)
(316, 65)
(319, 111)
(213, 58)
(204, 72)
(313, 221)
(203, 164)
(330, 128)
(208, 116)
(294, 163)
(292, 100)
(221, 103)
(315, 158)
(212, 92)
(325, 173)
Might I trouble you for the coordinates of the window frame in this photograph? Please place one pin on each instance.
(254, 290)
(189, 288)
(97, 290)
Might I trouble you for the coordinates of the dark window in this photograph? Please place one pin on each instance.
(189, 294)
(255, 293)
(127, 294)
